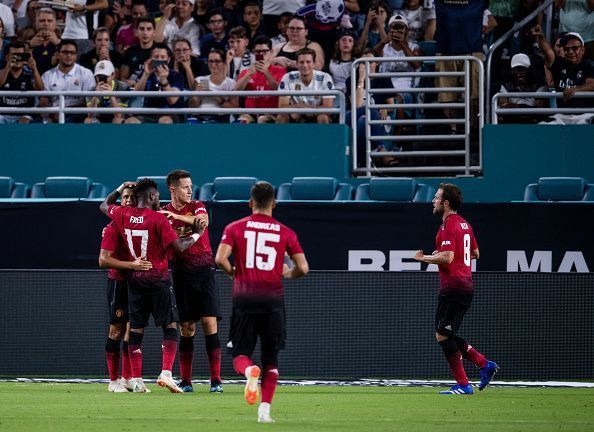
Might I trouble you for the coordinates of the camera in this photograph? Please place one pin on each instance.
(19, 57)
(156, 63)
(101, 79)
(259, 57)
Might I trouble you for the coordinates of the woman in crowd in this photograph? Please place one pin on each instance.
(286, 55)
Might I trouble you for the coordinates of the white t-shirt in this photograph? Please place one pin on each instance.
(320, 81)
(277, 7)
(400, 83)
(215, 102)
(340, 72)
(417, 20)
(189, 30)
(78, 79)
(76, 23)
(8, 20)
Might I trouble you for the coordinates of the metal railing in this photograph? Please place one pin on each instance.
(61, 109)
(547, 4)
(465, 91)
(495, 110)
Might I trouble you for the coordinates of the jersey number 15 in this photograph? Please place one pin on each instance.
(257, 251)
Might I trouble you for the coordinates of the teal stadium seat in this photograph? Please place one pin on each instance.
(11, 189)
(394, 189)
(68, 187)
(314, 189)
(161, 185)
(559, 189)
(227, 188)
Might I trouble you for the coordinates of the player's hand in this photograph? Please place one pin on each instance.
(419, 255)
(203, 216)
(435, 252)
(199, 226)
(140, 264)
(168, 214)
(126, 184)
(103, 232)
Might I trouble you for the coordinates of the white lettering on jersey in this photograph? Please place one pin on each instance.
(136, 220)
(263, 225)
(446, 242)
(464, 225)
(200, 209)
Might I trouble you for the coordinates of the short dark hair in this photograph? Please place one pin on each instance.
(161, 46)
(305, 51)
(17, 44)
(175, 176)
(237, 33)
(143, 19)
(262, 194)
(143, 187)
(221, 53)
(65, 42)
(453, 194)
(251, 3)
(215, 11)
(100, 30)
(263, 40)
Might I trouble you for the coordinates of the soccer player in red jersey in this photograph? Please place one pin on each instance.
(258, 244)
(114, 255)
(149, 236)
(455, 246)
(194, 284)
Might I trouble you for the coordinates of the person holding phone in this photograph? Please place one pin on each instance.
(45, 42)
(105, 78)
(20, 73)
(179, 25)
(261, 76)
(101, 52)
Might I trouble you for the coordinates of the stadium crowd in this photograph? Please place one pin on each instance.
(219, 45)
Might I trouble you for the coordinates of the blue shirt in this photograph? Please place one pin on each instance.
(459, 26)
(152, 84)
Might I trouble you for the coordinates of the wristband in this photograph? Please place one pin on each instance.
(195, 236)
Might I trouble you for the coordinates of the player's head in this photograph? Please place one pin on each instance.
(262, 196)
(447, 198)
(147, 194)
(128, 197)
(179, 183)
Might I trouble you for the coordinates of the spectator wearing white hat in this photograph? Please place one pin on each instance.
(521, 80)
(577, 16)
(106, 82)
(183, 26)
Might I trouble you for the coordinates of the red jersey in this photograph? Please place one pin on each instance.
(113, 241)
(259, 243)
(456, 235)
(200, 253)
(148, 234)
(258, 82)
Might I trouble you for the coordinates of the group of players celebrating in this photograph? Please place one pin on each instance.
(137, 247)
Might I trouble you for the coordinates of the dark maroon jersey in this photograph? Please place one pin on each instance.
(200, 253)
(148, 234)
(456, 235)
(113, 242)
(259, 243)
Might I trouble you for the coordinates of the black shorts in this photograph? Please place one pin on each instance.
(246, 327)
(196, 293)
(157, 300)
(117, 301)
(450, 313)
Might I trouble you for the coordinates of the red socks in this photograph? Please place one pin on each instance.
(169, 351)
(213, 350)
(112, 354)
(186, 355)
(126, 370)
(240, 363)
(469, 353)
(269, 380)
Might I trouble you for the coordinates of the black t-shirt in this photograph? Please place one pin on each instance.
(91, 58)
(199, 68)
(43, 57)
(25, 82)
(134, 58)
(567, 75)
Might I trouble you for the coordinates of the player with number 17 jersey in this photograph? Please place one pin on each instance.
(148, 234)
(456, 235)
(259, 243)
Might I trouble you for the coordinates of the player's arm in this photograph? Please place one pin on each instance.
(112, 198)
(189, 219)
(181, 244)
(222, 259)
(444, 257)
(300, 269)
(108, 261)
(475, 254)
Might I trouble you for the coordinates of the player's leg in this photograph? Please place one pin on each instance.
(271, 328)
(243, 337)
(186, 354)
(448, 318)
(116, 333)
(487, 368)
(166, 316)
(126, 368)
(139, 305)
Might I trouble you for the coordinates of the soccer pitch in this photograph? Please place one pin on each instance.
(89, 407)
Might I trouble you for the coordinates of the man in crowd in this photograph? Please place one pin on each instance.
(106, 82)
(217, 38)
(101, 51)
(182, 26)
(258, 244)
(135, 56)
(45, 42)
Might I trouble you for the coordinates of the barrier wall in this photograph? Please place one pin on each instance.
(514, 155)
(340, 325)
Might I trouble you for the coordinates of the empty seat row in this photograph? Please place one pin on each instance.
(560, 189)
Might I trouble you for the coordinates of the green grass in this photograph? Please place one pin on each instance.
(89, 407)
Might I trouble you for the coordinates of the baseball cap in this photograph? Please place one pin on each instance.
(572, 35)
(520, 60)
(398, 19)
(348, 32)
(104, 67)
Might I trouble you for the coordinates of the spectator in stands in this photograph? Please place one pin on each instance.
(420, 19)
(571, 74)
(15, 77)
(7, 18)
(344, 54)
(68, 76)
(183, 26)
(126, 34)
(201, 10)
(216, 81)
(105, 77)
(261, 76)
(156, 77)
(306, 78)
(233, 11)
(577, 16)
(459, 31)
(101, 52)
(4, 42)
(135, 56)
(217, 38)
(82, 19)
(187, 64)
(273, 9)
(521, 80)
(286, 55)
(27, 31)
(281, 25)
(239, 57)
(45, 42)
(119, 15)
(252, 19)
(374, 30)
